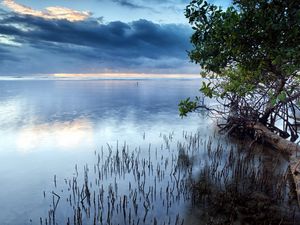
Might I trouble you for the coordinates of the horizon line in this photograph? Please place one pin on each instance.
(99, 76)
(124, 75)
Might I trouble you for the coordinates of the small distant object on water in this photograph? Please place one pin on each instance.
(137, 83)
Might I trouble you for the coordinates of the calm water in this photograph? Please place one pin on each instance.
(117, 152)
(46, 127)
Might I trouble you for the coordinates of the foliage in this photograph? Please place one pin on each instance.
(251, 51)
(186, 106)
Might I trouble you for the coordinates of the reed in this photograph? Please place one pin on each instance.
(155, 184)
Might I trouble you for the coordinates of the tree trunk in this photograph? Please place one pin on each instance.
(275, 140)
(284, 146)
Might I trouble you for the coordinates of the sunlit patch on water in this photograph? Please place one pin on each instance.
(62, 135)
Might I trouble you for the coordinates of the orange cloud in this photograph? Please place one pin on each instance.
(49, 12)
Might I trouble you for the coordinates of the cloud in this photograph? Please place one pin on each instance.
(165, 6)
(5, 55)
(88, 46)
(60, 13)
(130, 4)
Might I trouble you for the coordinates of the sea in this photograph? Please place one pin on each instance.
(116, 151)
(47, 127)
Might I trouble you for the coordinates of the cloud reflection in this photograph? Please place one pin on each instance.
(63, 135)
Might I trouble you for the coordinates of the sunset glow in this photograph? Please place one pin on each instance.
(122, 75)
(64, 135)
(48, 13)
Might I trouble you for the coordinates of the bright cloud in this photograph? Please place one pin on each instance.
(49, 12)
(8, 40)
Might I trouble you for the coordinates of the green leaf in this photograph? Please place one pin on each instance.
(248, 48)
(282, 96)
(273, 101)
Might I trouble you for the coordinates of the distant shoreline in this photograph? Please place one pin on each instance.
(8, 78)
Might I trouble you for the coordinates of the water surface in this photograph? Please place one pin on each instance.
(123, 142)
(48, 126)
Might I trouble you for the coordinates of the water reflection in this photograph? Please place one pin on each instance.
(41, 121)
(44, 115)
(64, 135)
(47, 127)
(10, 111)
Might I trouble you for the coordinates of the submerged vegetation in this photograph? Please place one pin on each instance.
(242, 187)
(223, 184)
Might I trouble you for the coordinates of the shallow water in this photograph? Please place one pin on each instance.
(117, 152)
(49, 126)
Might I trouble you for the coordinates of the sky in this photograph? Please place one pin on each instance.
(95, 36)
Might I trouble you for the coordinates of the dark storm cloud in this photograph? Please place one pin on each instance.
(139, 38)
(138, 46)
